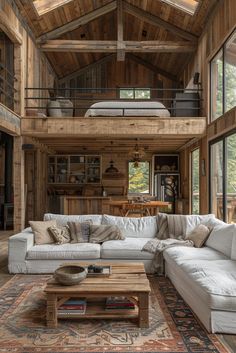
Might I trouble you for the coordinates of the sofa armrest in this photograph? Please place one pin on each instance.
(18, 245)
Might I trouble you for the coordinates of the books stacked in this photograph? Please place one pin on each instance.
(119, 303)
(73, 307)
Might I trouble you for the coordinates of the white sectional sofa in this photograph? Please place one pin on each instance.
(205, 277)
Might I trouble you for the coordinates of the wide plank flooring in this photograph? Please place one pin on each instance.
(229, 340)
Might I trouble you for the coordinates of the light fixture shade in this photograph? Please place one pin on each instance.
(137, 155)
(111, 169)
(112, 172)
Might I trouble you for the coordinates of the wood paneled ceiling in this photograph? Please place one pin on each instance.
(136, 28)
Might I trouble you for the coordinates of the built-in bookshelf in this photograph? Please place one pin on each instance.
(74, 169)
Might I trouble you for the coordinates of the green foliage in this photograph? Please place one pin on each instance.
(139, 178)
(195, 181)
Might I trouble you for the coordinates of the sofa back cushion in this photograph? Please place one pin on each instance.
(221, 238)
(233, 250)
(143, 227)
(182, 225)
(63, 219)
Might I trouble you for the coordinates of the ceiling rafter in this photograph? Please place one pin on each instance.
(151, 67)
(82, 20)
(110, 46)
(120, 32)
(157, 21)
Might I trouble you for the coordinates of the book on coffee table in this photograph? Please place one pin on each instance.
(73, 306)
(114, 303)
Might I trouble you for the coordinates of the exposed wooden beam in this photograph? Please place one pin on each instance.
(74, 74)
(82, 20)
(120, 32)
(151, 67)
(10, 30)
(102, 46)
(157, 21)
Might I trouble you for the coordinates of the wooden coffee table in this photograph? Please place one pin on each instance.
(127, 280)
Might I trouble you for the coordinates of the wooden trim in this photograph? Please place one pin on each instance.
(9, 121)
(18, 185)
(9, 30)
(157, 21)
(82, 20)
(102, 46)
(120, 32)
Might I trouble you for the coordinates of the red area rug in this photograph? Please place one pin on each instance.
(173, 328)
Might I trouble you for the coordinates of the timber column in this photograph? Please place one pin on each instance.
(18, 185)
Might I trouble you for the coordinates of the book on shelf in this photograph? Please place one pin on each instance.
(73, 306)
(114, 303)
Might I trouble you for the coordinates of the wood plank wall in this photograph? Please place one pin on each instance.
(216, 32)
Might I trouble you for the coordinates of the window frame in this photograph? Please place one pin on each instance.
(191, 178)
(149, 179)
(222, 138)
(134, 89)
(223, 49)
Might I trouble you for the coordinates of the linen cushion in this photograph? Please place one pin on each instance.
(221, 238)
(61, 235)
(233, 250)
(79, 232)
(101, 233)
(162, 222)
(143, 227)
(130, 249)
(41, 232)
(82, 251)
(63, 219)
(199, 235)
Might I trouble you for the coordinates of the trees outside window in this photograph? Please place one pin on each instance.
(139, 178)
(195, 206)
(135, 93)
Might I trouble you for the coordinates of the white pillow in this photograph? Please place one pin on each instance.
(221, 238)
(143, 227)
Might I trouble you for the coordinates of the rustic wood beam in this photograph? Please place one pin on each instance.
(10, 30)
(82, 20)
(151, 67)
(157, 21)
(9, 121)
(74, 74)
(119, 127)
(102, 46)
(120, 32)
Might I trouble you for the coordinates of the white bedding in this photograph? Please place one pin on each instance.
(127, 108)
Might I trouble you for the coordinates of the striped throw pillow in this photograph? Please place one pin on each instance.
(101, 233)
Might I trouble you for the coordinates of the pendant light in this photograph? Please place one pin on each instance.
(137, 155)
(111, 171)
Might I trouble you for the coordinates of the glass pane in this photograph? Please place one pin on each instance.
(139, 177)
(126, 93)
(188, 6)
(195, 181)
(142, 94)
(230, 72)
(217, 179)
(217, 86)
(231, 178)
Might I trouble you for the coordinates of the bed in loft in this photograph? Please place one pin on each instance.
(127, 108)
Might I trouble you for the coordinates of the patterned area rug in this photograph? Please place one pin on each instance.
(173, 328)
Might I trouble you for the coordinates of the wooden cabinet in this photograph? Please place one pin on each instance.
(74, 169)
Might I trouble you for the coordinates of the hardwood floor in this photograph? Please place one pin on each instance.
(229, 340)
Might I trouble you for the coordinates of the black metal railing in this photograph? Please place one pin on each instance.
(7, 89)
(78, 102)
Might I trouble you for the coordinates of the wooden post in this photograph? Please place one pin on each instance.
(120, 32)
(18, 185)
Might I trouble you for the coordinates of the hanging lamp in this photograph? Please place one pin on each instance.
(111, 171)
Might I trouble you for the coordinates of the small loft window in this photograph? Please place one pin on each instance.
(135, 93)
(44, 6)
(189, 6)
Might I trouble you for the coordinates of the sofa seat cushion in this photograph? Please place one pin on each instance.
(215, 282)
(63, 219)
(181, 254)
(142, 227)
(81, 251)
(130, 248)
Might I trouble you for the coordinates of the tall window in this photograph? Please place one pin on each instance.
(195, 206)
(223, 78)
(139, 177)
(223, 178)
(135, 93)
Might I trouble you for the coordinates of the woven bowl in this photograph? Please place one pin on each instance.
(70, 275)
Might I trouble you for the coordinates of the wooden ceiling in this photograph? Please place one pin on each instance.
(103, 145)
(139, 25)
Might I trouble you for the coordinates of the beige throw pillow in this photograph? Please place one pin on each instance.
(79, 232)
(41, 232)
(199, 235)
(61, 235)
(101, 233)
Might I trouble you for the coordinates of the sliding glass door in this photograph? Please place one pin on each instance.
(223, 178)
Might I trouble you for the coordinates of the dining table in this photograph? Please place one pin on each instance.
(147, 208)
